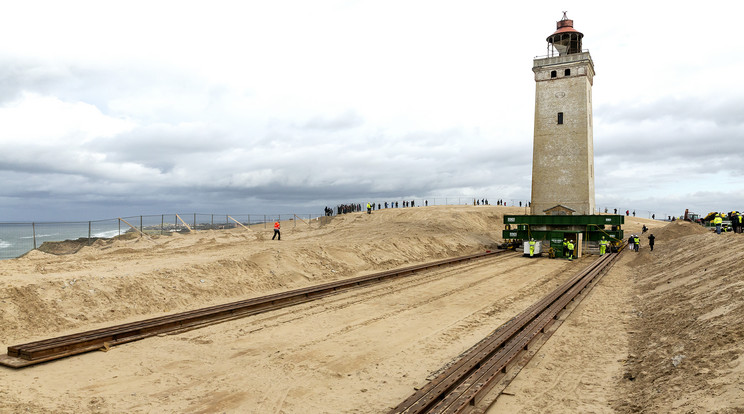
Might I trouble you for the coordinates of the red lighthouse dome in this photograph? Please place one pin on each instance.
(566, 40)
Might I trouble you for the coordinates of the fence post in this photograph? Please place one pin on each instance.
(89, 232)
(175, 223)
(33, 230)
(141, 229)
(194, 221)
(119, 220)
(162, 224)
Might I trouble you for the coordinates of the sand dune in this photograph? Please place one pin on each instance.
(660, 333)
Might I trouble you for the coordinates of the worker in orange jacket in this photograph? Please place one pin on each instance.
(276, 231)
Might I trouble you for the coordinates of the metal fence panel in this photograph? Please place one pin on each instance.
(17, 239)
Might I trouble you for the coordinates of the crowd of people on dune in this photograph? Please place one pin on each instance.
(371, 206)
(353, 208)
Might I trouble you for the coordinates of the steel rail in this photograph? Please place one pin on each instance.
(469, 379)
(31, 353)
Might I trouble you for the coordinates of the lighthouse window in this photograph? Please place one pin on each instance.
(567, 72)
(553, 74)
(560, 118)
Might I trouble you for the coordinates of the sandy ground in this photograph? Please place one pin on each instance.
(660, 333)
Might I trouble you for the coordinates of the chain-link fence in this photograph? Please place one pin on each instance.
(438, 201)
(17, 239)
(631, 212)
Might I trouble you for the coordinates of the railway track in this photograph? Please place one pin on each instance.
(31, 353)
(467, 385)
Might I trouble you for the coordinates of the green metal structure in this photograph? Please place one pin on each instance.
(555, 228)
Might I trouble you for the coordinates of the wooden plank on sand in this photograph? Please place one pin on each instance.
(184, 223)
(135, 228)
(239, 223)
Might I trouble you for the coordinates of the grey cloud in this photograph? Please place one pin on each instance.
(164, 144)
(98, 85)
(719, 109)
(20, 76)
(667, 130)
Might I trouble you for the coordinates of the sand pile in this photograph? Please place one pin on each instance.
(116, 281)
(660, 333)
(679, 228)
(686, 337)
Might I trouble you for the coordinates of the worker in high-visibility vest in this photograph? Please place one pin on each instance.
(369, 208)
(532, 247)
(636, 242)
(565, 247)
(739, 216)
(718, 221)
(276, 231)
(603, 246)
(570, 247)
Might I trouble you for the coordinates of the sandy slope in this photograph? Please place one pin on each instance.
(687, 347)
(660, 333)
(129, 278)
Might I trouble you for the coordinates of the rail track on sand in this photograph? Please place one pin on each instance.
(474, 380)
(36, 352)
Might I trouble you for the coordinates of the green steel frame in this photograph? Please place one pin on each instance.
(556, 228)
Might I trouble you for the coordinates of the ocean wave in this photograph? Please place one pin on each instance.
(4, 244)
(106, 234)
(39, 236)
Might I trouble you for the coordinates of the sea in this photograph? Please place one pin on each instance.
(16, 239)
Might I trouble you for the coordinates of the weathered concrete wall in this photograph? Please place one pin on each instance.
(563, 154)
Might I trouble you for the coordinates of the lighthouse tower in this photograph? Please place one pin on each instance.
(563, 151)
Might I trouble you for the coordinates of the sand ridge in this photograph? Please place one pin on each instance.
(132, 277)
(659, 333)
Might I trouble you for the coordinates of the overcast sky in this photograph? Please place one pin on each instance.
(120, 108)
